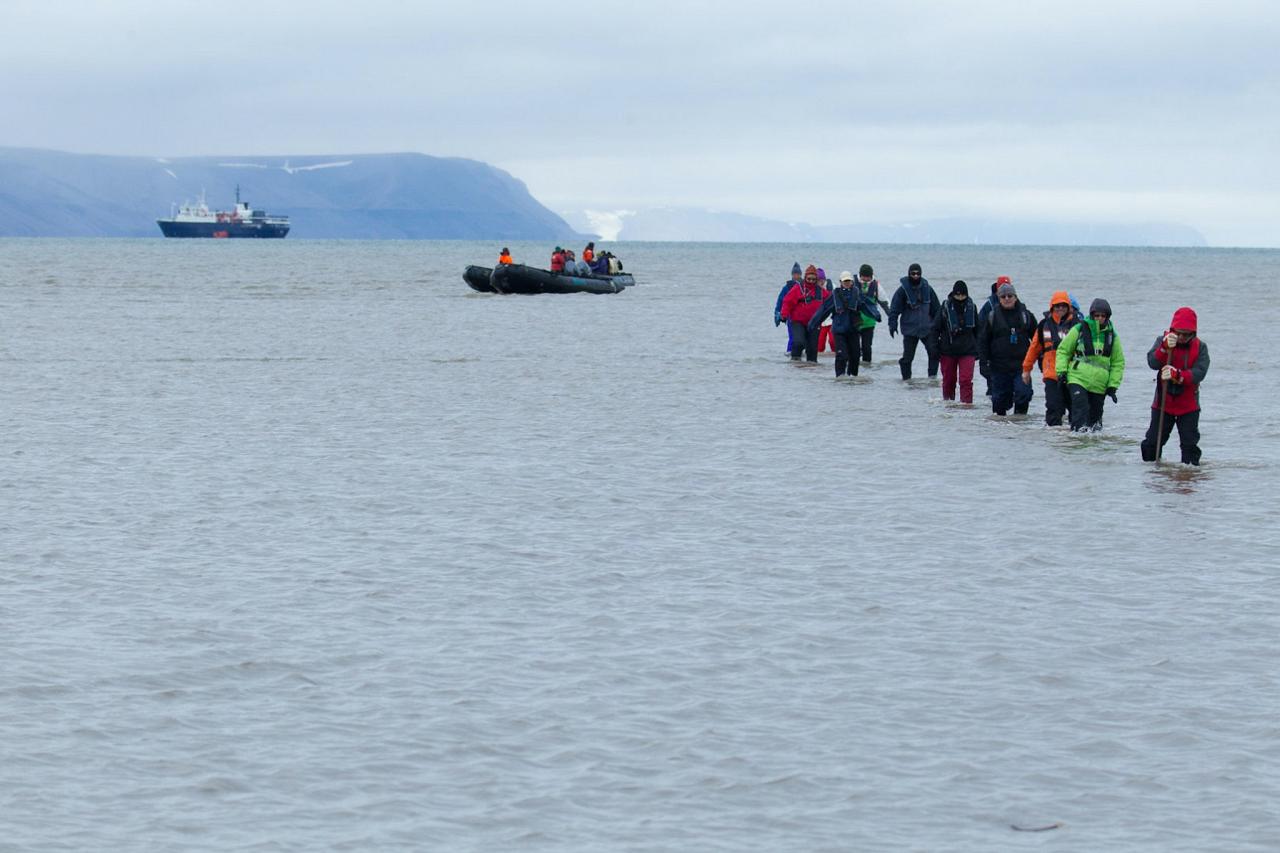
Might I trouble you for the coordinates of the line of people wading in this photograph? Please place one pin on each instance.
(1079, 355)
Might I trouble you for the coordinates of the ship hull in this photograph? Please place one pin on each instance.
(518, 278)
(217, 230)
(477, 278)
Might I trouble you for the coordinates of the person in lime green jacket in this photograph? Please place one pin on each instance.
(1091, 360)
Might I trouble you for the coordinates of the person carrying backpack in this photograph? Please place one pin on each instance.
(1093, 362)
(956, 340)
(1002, 345)
(1057, 321)
(915, 304)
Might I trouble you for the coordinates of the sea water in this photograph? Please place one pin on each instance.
(306, 546)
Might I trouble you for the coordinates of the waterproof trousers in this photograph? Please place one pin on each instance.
(866, 335)
(1086, 408)
(1055, 402)
(1188, 435)
(825, 341)
(1008, 389)
(803, 341)
(846, 345)
(957, 369)
(909, 343)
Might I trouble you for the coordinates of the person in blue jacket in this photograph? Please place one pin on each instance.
(842, 306)
(915, 305)
(796, 275)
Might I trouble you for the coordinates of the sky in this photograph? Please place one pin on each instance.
(798, 110)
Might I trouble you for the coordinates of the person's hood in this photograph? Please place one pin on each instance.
(1184, 318)
(1059, 297)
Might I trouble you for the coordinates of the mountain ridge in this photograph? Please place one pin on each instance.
(406, 195)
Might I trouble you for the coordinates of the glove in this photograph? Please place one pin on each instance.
(1170, 340)
(984, 368)
(893, 333)
(777, 318)
(1026, 378)
(1111, 392)
(1167, 372)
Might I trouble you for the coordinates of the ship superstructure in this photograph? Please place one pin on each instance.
(197, 220)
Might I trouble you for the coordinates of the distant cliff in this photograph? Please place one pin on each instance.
(369, 196)
(690, 224)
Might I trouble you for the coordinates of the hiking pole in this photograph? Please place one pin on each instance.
(1164, 391)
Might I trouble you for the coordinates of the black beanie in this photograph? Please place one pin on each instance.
(960, 287)
(865, 269)
(914, 268)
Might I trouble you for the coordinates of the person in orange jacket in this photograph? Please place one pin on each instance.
(1057, 321)
(505, 257)
(589, 253)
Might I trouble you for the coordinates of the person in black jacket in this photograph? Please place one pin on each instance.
(1002, 344)
(990, 304)
(914, 304)
(955, 330)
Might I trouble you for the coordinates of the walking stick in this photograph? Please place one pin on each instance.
(1164, 390)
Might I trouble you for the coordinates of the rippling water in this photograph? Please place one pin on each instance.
(307, 546)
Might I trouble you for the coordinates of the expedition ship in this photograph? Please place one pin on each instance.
(196, 220)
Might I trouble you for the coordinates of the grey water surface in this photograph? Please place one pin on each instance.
(306, 546)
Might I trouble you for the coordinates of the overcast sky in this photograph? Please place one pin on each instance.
(822, 112)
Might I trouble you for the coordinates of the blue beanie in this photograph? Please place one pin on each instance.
(795, 268)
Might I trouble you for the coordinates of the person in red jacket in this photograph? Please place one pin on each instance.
(1182, 360)
(798, 308)
(557, 260)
